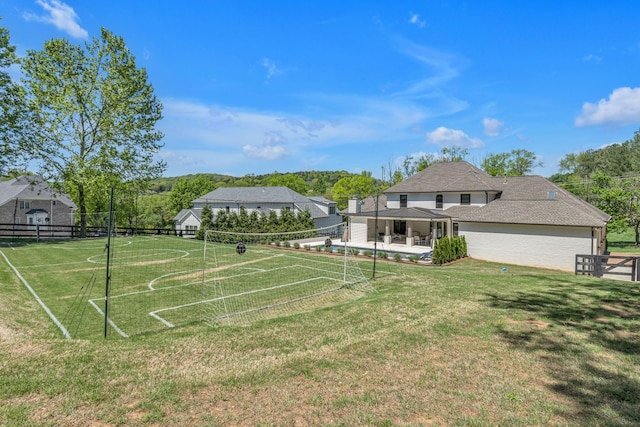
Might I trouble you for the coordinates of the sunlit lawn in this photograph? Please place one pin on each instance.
(623, 242)
(467, 344)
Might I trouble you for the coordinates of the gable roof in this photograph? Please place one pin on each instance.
(321, 200)
(31, 187)
(519, 200)
(532, 200)
(185, 213)
(264, 195)
(446, 177)
(369, 203)
(252, 195)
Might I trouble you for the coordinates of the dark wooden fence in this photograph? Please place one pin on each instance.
(52, 232)
(609, 265)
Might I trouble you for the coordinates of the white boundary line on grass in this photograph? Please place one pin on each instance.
(152, 288)
(182, 254)
(153, 282)
(155, 315)
(42, 304)
(111, 322)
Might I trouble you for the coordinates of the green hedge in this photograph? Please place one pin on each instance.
(449, 249)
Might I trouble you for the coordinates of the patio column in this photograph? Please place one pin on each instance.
(410, 241)
(387, 232)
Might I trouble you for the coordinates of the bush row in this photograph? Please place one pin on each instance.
(449, 249)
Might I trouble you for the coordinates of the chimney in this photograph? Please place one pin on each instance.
(354, 205)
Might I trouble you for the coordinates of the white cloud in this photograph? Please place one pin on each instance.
(415, 20)
(492, 127)
(445, 137)
(266, 152)
(441, 68)
(61, 15)
(622, 108)
(272, 68)
(263, 140)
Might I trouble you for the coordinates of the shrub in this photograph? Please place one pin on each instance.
(296, 245)
(414, 258)
(328, 249)
(307, 247)
(383, 255)
(368, 253)
(318, 248)
(449, 249)
(397, 257)
(286, 244)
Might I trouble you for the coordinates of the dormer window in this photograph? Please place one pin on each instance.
(465, 199)
(439, 201)
(403, 200)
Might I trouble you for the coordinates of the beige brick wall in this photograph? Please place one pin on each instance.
(59, 213)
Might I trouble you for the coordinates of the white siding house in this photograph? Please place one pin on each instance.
(523, 220)
(262, 199)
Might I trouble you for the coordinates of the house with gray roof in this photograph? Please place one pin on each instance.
(524, 220)
(28, 201)
(262, 199)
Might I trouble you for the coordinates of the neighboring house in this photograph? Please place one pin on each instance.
(28, 201)
(524, 220)
(188, 221)
(262, 199)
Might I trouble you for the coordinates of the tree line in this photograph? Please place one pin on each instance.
(608, 178)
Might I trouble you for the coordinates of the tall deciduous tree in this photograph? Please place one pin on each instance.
(516, 163)
(613, 160)
(453, 154)
(412, 165)
(95, 114)
(185, 191)
(14, 125)
(289, 180)
(620, 198)
(358, 185)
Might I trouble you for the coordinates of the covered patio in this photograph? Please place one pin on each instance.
(404, 227)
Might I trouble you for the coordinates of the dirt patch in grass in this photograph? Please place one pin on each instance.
(530, 323)
(6, 333)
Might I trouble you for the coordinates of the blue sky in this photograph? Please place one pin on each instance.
(253, 87)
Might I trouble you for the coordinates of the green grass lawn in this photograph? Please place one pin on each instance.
(158, 282)
(623, 242)
(467, 344)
